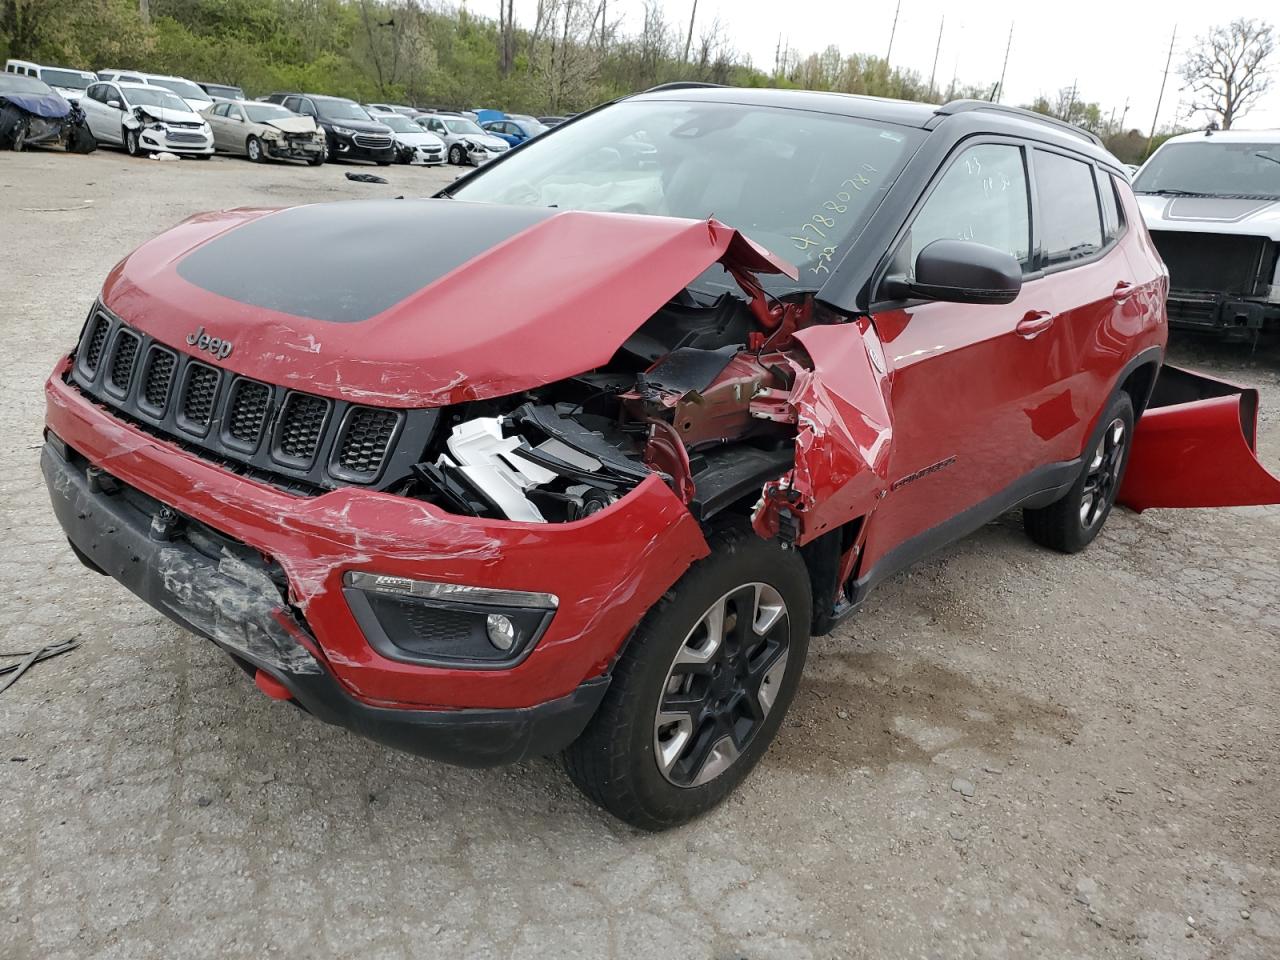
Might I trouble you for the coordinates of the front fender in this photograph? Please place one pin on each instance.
(1196, 446)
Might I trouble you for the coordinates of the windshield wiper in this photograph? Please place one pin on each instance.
(1267, 156)
(1173, 192)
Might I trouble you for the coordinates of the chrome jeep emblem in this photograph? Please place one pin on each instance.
(217, 346)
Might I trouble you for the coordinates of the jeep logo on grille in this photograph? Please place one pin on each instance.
(216, 345)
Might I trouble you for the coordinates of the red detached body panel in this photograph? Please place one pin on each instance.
(608, 569)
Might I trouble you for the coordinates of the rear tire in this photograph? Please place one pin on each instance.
(702, 687)
(1070, 524)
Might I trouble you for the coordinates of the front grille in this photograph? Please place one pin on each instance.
(1213, 262)
(97, 339)
(178, 136)
(301, 442)
(371, 141)
(126, 352)
(200, 392)
(155, 384)
(366, 437)
(250, 401)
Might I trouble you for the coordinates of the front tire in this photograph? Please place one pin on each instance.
(132, 145)
(253, 149)
(457, 156)
(1070, 524)
(702, 687)
(19, 142)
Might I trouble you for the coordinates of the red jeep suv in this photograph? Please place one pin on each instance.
(577, 455)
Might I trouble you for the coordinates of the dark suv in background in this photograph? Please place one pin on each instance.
(351, 133)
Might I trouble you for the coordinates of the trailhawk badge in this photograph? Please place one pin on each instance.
(216, 345)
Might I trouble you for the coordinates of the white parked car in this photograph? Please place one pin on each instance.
(413, 143)
(145, 119)
(196, 98)
(1211, 202)
(71, 84)
(463, 138)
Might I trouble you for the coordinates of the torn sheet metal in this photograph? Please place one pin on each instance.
(1196, 446)
(843, 429)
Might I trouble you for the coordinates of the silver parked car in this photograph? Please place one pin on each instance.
(464, 139)
(145, 119)
(265, 131)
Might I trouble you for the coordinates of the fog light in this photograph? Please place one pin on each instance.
(502, 632)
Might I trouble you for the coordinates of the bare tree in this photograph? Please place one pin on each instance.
(506, 36)
(1227, 70)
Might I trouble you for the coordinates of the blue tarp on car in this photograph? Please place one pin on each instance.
(49, 105)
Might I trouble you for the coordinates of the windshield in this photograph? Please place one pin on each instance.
(71, 79)
(15, 83)
(262, 112)
(151, 97)
(183, 88)
(460, 125)
(797, 182)
(341, 110)
(531, 126)
(398, 123)
(229, 93)
(1213, 169)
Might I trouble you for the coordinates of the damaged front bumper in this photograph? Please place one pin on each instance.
(606, 570)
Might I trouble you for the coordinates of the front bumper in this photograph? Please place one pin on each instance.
(346, 148)
(234, 603)
(1233, 318)
(162, 140)
(607, 569)
(294, 150)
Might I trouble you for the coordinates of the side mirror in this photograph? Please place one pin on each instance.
(114, 103)
(960, 271)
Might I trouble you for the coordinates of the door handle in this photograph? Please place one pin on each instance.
(1123, 291)
(1034, 323)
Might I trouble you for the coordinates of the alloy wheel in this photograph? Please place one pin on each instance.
(254, 149)
(721, 685)
(1103, 479)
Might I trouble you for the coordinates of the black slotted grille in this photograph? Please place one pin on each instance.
(122, 360)
(197, 399)
(250, 403)
(301, 424)
(155, 388)
(301, 442)
(366, 440)
(97, 340)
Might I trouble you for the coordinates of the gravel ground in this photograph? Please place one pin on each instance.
(1114, 716)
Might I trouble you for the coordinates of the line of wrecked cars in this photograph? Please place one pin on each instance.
(32, 113)
(559, 462)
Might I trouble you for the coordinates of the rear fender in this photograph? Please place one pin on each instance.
(1196, 446)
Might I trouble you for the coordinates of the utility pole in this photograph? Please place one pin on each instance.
(936, 50)
(1007, 47)
(892, 31)
(688, 42)
(1160, 99)
(144, 12)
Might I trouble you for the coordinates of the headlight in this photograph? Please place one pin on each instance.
(424, 621)
(270, 134)
(469, 145)
(345, 131)
(155, 126)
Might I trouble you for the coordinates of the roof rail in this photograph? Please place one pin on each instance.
(967, 106)
(682, 85)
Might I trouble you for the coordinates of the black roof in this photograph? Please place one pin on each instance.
(979, 114)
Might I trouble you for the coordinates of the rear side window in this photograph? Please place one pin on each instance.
(1070, 225)
(982, 196)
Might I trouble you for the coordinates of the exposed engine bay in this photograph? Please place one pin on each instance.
(695, 395)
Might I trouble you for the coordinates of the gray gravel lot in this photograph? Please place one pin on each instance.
(1115, 714)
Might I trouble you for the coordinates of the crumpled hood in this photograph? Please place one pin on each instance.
(415, 302)
(166, 115)
(1240, 217)
(293, 124)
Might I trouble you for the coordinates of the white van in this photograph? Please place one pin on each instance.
(70, 83)
(196, 98)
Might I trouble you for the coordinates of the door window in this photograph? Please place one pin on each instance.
(1070, 223)
(981, 196)
(1110, 205)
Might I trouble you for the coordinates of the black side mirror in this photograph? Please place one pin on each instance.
(960, 271)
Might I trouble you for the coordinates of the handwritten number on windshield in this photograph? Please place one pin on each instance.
(834, 209)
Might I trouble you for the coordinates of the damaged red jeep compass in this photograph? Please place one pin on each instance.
(577, 455)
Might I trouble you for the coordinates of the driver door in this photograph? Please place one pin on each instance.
(964, 378)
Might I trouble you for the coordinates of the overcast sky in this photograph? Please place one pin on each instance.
(1113, 51)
